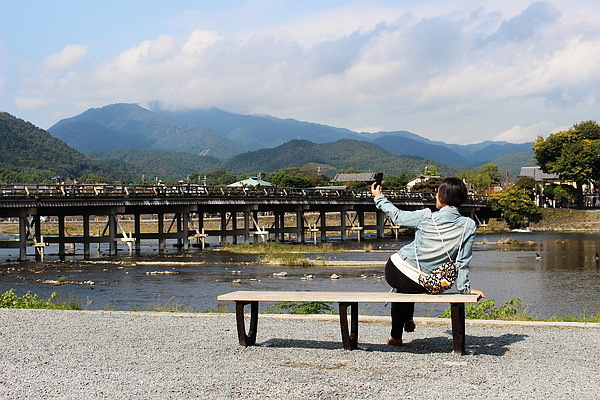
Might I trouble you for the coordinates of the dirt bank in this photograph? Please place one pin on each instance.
(558, 220)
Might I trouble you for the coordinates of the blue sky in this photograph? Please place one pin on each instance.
(458, 71)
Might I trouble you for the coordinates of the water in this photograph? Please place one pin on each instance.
(561, 282)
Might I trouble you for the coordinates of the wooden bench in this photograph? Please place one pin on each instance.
(345, 300)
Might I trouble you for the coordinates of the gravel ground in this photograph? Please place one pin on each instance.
(47, 354)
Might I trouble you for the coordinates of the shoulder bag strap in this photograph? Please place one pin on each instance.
(461, 239)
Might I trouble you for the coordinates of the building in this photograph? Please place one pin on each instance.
(419, 179)
(250, 182)
(540, 177)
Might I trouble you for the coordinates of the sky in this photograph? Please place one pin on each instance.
(458, 71)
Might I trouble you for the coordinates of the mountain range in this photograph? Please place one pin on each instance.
(122, 140)
(220, 134)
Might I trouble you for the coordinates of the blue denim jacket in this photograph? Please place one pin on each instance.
(427, 246)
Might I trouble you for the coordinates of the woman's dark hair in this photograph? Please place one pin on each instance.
(452, 191)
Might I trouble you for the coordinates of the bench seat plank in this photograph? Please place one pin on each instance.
(359, 297)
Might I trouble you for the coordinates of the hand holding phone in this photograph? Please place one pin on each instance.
(379, 178)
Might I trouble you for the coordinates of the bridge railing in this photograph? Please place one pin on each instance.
(42, 191)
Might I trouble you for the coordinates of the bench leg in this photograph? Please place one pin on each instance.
(248, 339)
(457, 313)
(349, 338)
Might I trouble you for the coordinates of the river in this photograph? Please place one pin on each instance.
(554, 274)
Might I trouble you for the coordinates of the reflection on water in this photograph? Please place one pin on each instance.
(561, 281)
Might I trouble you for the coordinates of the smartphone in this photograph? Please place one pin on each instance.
(379, 178)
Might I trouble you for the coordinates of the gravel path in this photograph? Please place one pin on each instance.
(46, 354)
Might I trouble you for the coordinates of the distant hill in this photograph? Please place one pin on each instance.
(488, 151)
(341, 155)
(217, 133)
(30, 154)
(401, 145)
(258, 132)
(512, 163)
(156, 163)
(120, 126)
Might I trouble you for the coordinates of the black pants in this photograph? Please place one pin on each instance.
(401, 312)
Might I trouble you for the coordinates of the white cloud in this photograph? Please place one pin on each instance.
(198, 41)
(70, 55)
(522, 134)
(444, 72)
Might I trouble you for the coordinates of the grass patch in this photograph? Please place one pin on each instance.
(300, 307)
(29, 300)
(293, 259)
(511, 311)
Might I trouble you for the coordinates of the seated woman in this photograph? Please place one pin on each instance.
(440, 236)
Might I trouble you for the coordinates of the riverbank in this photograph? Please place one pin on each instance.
(127, 355)
(556, 220)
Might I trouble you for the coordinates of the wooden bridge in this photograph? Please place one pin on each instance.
(180, 213)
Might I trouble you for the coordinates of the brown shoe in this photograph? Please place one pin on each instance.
(409, 326)
(395, 342)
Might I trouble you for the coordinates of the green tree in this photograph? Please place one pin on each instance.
(220, 177)
(428, 186)
(392, 182)
(573, 154)
(290, 178)
(562, 194)
(516, 207)
(431, 170)
(528, 185)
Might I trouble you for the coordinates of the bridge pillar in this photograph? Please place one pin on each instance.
(361, 223)
(37, 228)
(185, 223)
(323, 227)
(86, 235)
(61, 236)
(380, 221)
(162, 242)
(343, 226)
(300, 227)
(278, 223)
(112, 233)
(23, 230)
(137, 227)
(224, 226)
(246, 226)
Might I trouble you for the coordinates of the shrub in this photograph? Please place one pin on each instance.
(29, 300)
(487, 309)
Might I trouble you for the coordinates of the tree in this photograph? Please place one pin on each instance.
(431, 170)
(528, 185)
(573, 154)
(392, 182)
(562, 194)
(220, 177)
(289, 178)
(483, 179)
(428, 186)
(516, 207)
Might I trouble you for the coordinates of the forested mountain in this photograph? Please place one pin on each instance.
(221, 134)
(156, 163)
(30, 154)
(341, 155)
(119, 126)
(258, 132)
